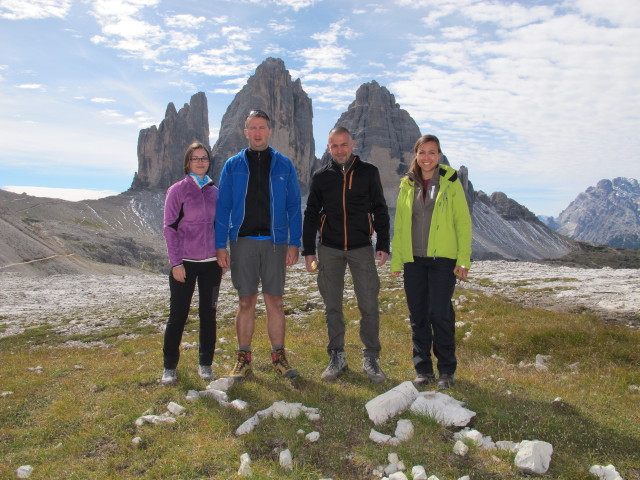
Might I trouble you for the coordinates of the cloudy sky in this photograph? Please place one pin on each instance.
(539, 99)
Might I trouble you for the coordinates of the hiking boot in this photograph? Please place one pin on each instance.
(242, 368)
(205, 372)
(169, 377)
(424, 379)
(445, 381)
(280, 363)
(372, 369)
(337, 365)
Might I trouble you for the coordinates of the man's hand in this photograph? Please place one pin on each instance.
(381, 257)
(292, 255)
(311, 262)
(222, 255)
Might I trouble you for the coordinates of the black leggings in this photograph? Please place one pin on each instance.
(208, 275)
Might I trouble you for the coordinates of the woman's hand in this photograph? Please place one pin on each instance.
(178, 273)
(461, 272)
(395, 274)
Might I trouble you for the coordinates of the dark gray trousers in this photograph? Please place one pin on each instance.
(332, 265)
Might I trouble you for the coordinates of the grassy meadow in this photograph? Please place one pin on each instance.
(75, 419)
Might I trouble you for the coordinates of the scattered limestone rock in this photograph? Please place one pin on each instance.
(466, 477)
(418, 472)
(534, 456)
(404, 430)
(541, 362)
(279, 409)
(460, 448)
(634, 388)
(398, 476)
(286, 461)
(37, 369)
(239, 404)
(507, 445)
(605, 473)
(444, 409)
(379, 437)
(391, 403)
(222, 384)
(136, 441)
(5, 394)
(574, 366)
(176, 409)
(557, 400)
(476, 437)
(24, 471)
(313, 436)
(154, 419)
(245, 466)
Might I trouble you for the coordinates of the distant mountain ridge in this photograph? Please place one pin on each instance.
(126, 230)
(607, 214)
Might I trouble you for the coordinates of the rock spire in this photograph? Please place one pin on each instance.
(289, 107)
(161, 149)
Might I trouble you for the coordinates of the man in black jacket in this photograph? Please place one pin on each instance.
(345, 206)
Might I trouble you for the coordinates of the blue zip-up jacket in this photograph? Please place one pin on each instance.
(286, 211)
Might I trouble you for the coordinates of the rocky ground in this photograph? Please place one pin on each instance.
(77, 304)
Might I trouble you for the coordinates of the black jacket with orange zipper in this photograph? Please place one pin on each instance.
(345, 208)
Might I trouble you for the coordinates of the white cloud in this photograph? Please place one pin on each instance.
(280, 26)
(70, 194)
(34, 9)
(225, 62)
(619, 12)
(31, 86)
(185, 21)
(328, 55)
(102, 100)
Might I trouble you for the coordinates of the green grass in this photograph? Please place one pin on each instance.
(75, 420)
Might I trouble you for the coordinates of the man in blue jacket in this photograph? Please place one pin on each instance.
(259, 214)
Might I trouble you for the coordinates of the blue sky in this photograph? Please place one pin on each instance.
(539, 99)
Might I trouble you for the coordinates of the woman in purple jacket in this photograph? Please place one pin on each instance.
(189, 213)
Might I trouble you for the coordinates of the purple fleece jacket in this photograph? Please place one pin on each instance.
(189, 213)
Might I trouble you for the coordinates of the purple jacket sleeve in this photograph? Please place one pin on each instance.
(172, 216)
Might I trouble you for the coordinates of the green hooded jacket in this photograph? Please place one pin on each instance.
(450, 231)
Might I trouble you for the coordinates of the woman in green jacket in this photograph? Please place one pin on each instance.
(432, 240)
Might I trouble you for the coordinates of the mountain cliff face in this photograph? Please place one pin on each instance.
(608, 213)
(289, 107)
(504, 229)
(161, 149)
(384, 135)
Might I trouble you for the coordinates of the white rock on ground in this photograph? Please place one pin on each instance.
(24, 471)
(605, 473)
(312, 436)
(154, 419)
(507, 445)
(136, 441)
(476, 437)
(391, 403)
(460, 448)
(541, 362)
(279, 409)
(222, 384)
(404, 430)
(286, 461)
(393, 458)
(444, 409)
(398, 476)
(379, 437)
(245, 466)
(418, 472)
(534, 456)
(176, 409)
(466, 477)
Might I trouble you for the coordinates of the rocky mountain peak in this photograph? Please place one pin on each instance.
(289, 107)
(161, 149)
(608, 213)
(384, 135)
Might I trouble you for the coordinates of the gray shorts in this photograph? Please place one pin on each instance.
(253, 261)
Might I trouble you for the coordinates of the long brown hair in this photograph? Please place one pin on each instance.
(414, 167)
